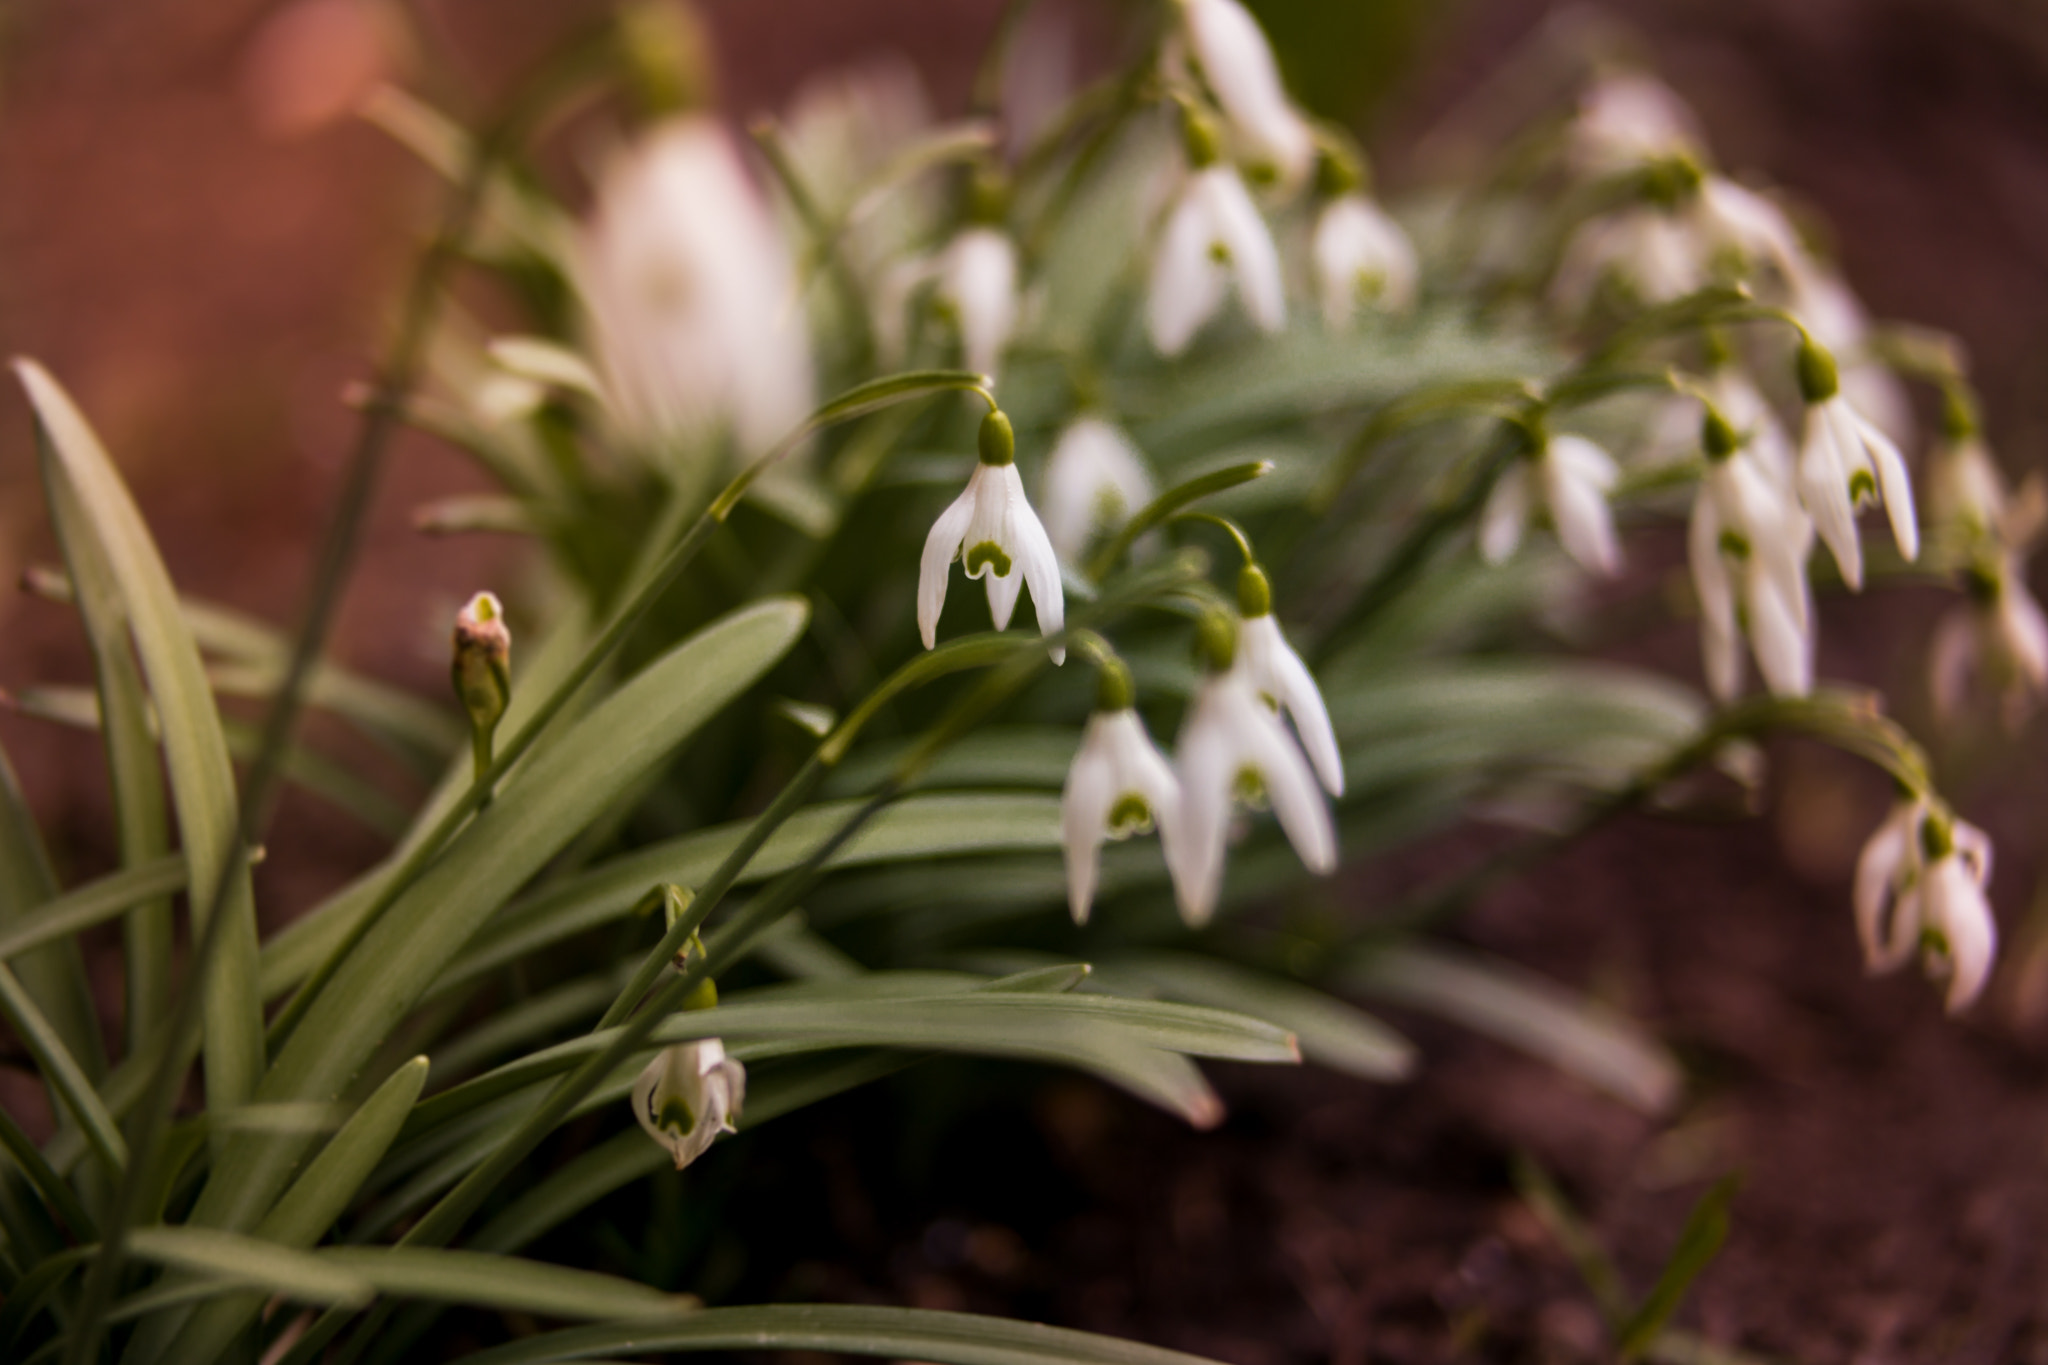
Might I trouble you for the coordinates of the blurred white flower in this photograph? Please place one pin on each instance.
(1845, 462)
(991, 528)
(1834, 316)
(1095, 480)
(1626, 119)
(1213, 239)
(1651, 251)
(977, 282)
(688, 1095)
(689, 296)
(1570, 477)
(1120, 785)
(1747, 544)
(1734, 218)
(1232, 748)
(1998, 638)
(1920, 886)
(1361, 257)
(1267, 129)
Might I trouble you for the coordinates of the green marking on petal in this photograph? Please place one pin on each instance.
(988, 554)
(1219, 253)
(1734, 545)
(675, 1117)
(1249, 788)
(1862, 486)
(1130, 815)
(1368, 285)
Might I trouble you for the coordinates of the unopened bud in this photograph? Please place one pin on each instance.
(998, 440)
(1815, 369)
(1216, 640)
(482, 670)
(1717, 438)
(1254, 593)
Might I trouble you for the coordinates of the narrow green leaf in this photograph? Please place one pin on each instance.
(94, 903)
(141, 816)
(54, 974)
(570, 1188)
(47, 1182)
(310, 1207)
(914, 829)
(1526, 1012)
(1706, 1228)
(201, 774)
(567, 781)
(485, 1280)
(1331, 1032)
(61, 1070)
(33, 1291)
(891, 1333)
(1596, 1268)
(274, 1269)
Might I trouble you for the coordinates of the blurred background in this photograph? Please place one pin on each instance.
(195, 243)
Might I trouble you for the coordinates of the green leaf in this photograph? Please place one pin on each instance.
(486, 1280)
(34, 1289)
(914, 829)
(1335, 1034)
(1706, 1228)
(568, 780)
(267, 1266)
(1526, 1012)
(61, 1070)
(134, 766)
(94, 903)
(570, 1188)
(195, 750)
(892, 1333)
(46, 1180)
(310, 1207)
(53, 974)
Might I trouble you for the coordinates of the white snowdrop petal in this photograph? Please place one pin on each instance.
(1951, 659)
(1783, 649)
(1885, 857)
(1573, 472)
(1894, 484)
(1277, 670)
(1094, 480)
(1254, 260)
(1955, 904)
(1824, 489)
(935, 566)
(1506, 514)
(1187, 283)
(980, 280)
(1239, 65)
(1291, 787)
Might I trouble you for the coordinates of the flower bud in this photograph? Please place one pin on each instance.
(1254, 593)
(998, 440)
(1717, 437)
(482, 670)
(1216, 640)
(1815, 369)
(688, 1095)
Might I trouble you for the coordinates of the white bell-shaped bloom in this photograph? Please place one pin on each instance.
(978, 284)
(1232, 747)
(1920, 889)
(1845, 462)
(992, 530)
(688, 1095)
(1269, 132)
(1095, 480)
(1570, 477)
(1651, 251)
(1361, 258)
(1747, 545)
(1279, 675)
(1214, 240)
(690, 297)
(1999, 640)
(1832, 314)
(1120, 785)
(1732, 217)
(1626, 119)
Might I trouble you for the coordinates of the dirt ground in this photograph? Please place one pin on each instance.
(206, 290)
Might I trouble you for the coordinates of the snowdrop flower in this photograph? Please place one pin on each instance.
(977, 282)
(1120, 785)
(690, 296)
(1650, 250)
(1999, 637)
(1240, 70)
(1279, 676)
(688, 1095)
(1748, 542)
(1920, 885)
(992, 529)
(1213, 240)
(1361, 256)
(1734, 218)
(1834, 317)
(1571, 477)
(1627, 119)
(1844, 462)
(1094, 480)
(1232, 748)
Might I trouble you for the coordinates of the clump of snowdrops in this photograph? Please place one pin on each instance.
(746, 795)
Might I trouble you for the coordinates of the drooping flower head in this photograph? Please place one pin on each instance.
(1094, 480)
(1362, 259)
(1627, 119)
(1279, 676)
(1747, 542)
(1238, 64)
(1119, 785)
(992, 530)
(1846, 462)
(1920, 888)
(1234, 750)
(688, 1095)
(689, 296)
(1569, 477)
(1214, 241)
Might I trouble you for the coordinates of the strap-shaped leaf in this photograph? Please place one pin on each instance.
(569, 779)
(94, 903)
(485, 1280)
(250, 1261)
(1527, 1012)
(61, 1070)
(54, 974)
(195, 749)
(894, 1333)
